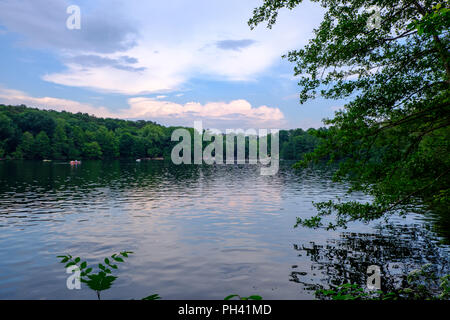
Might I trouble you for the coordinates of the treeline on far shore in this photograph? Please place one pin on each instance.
(29, 133)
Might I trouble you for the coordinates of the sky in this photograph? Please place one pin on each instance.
(173, 62)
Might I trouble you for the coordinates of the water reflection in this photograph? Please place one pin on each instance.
(198, 232)
(396, 249)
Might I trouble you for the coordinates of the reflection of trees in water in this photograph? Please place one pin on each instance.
(396, 249)
(440, 221)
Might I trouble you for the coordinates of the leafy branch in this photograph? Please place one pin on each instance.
(103, 279)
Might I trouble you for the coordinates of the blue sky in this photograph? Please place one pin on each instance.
(172, 62)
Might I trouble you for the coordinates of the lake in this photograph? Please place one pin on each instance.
(197, 232)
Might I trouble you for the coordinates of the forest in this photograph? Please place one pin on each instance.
(29, 133)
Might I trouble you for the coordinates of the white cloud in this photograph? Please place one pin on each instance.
(237, 111)
(172, 51)
(109, 79)
(234, 114)
(16, 97)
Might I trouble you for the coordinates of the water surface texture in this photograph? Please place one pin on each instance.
(197, 232)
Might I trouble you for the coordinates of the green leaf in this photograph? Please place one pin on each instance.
(118, 259)
(100, 282)
(231, 296)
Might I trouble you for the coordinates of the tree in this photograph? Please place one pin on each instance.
(41, 147)
(392, 139)
(6, 131)
(92, 150)
(6, 127)
(154, 137)
(126, 145)
(36, 121)
(73, 152)
(129, 138)
(108, 142)
(60, 144)
(25, 147)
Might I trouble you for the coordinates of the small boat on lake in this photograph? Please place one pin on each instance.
(75, 162)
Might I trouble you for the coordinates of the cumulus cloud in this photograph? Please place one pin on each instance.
(16, 97)
(118, 80)
(241, 109)
(234, 114)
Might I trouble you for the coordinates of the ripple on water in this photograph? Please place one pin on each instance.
(197, 231)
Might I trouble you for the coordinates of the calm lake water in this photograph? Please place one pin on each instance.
(197, 232)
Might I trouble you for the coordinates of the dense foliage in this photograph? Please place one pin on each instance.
(37, 134)
(27, 133)
(392, 139)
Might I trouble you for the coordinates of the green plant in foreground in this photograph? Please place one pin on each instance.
(254, 297)
(346, 291)
(103, 279)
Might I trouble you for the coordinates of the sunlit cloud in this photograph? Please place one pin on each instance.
(16, 97)
(238, 113)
